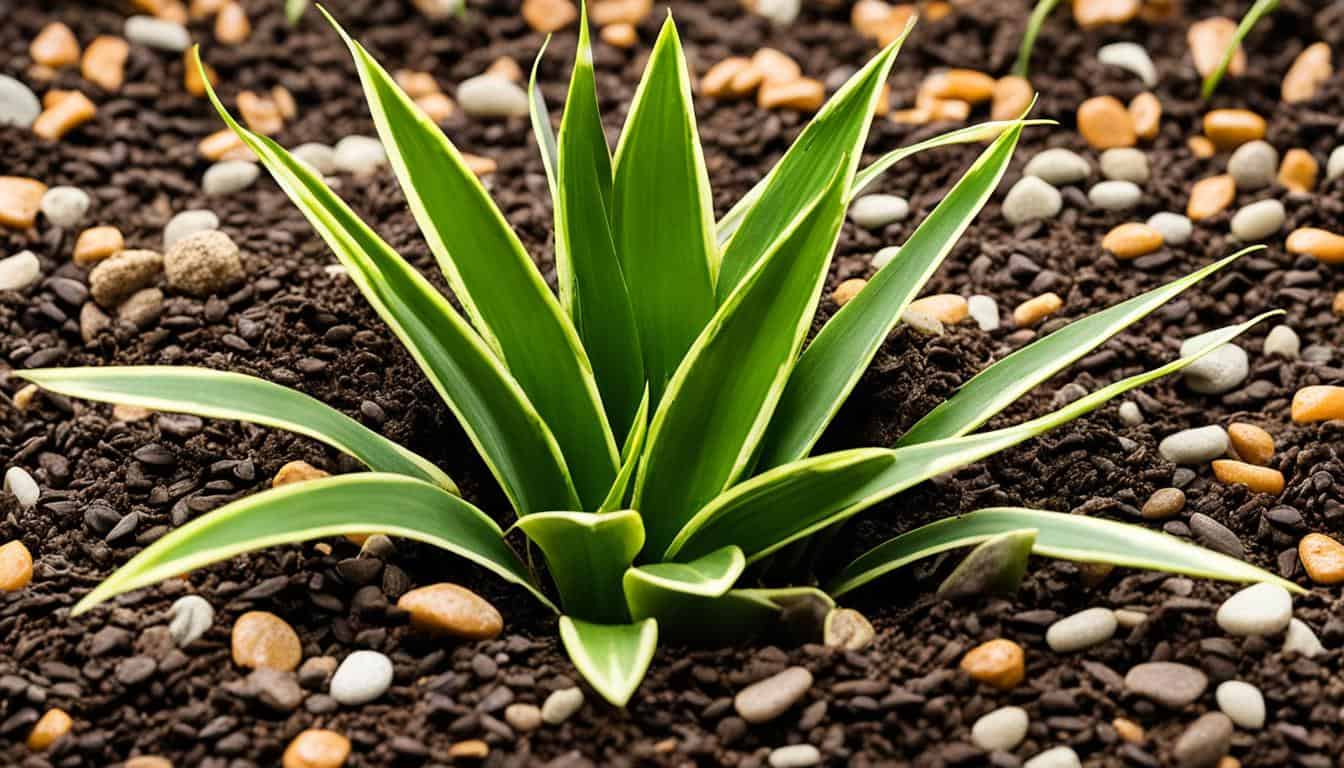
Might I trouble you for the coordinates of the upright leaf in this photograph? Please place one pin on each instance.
(630, 455)
(611, 657)
(1039, 13)
(693, 602)
(1258, 10)
(493, 277)
(587, 554)
(662, 214)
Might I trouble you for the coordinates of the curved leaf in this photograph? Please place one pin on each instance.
(333, 506)
(611, 657)
(1259, 10)
(1039, 13)
(586, 554)
(630, 455)
(225, 395)
(996, 566)
(708, 576)
(1058, 535)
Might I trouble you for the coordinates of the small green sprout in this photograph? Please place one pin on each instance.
(1259, 10)
(1039, 14)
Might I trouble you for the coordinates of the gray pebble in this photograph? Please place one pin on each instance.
(277, 690)
(1204, 742)
(1125, 164)
(1216, 536)
(1254, 165)
(781, 13)
(1131, 57)
(1174, 228)
(984, 311)
(1198, 445)
(156, 33)
(1115, 195)
(316, 672)
(1058, 167)
(319, 157)
(19, 106)
(491, 96)
(1243, 703)
(1084, 629)
(361, 678)
(1258, 610)
(204, 263)
(229, 176)
(142, 308)
(1258, 220)
(874, 212)
(1130, 413)
(1219, 371)
(1168, 683)
(1284, 342)
(794, 756)
(523, 718)
(1031, 199)
(65, 206)
(764, 701)
(192, 615)
(561, 705)
(1300, 639)
(188, 223)
(883, 257)
(1000, 730)
(19, 271)
(359, 155)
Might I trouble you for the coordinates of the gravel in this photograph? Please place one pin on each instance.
(1260, 609)
(65, 207)
(1243, 703)
(361, 678)
(19, 106)
(1058, 167)
(1204, 742)
(874, 212)
(1254, 165)
(1258, 220)
(1031, 199)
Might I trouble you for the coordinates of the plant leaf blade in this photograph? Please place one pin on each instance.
(630, 455)
(1257, 11)
(611, 657)
(587, 554)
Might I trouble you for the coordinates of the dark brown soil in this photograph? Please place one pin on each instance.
(111, 488)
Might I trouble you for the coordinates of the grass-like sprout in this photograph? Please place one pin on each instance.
(1039, 14)
(1259, 10)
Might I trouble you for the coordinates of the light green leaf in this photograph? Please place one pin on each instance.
(294, 10)
(491, 274)
(630, 455)
(587, 554)
(494, 411)
(334, 506)
(709, 576)
(611, 657)
(995, 567)
(835, 360)
(705, 433)
(541, 129)
(663, 216)
(1058, 535)
(1039, 14)
(1258, 10)
(224, 395)
(1002, 383)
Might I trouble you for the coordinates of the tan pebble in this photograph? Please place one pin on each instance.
(747, 80)
(20, 200)
(1145, 110)
(549, 15)
(25, 397)
(297, 472)
(847, 290)
(416, 84)
(219, 144)
(882, 107)
(1228, 761)
(1208, 40)
(260, 113)
(1230, 128)
(1129, 731)
(881, 21)
(1258, 479)
(315, 748)
(1012, 96)
(191, 77)
(1034, 310)
(1201, 147)
(471, 749)
(936, 10)
(803, 94)
(231, 24)
(130, 413)
(54, 96)
(1325, 246)
(55, 47)
(776, 67)
(481, 166)
(619, 35)
(284, 101)
(1311, 69)
(64, 116)
(505, 67)
(204, 9)
(437, 105)
(919, 115)
(1320, 402)
(666, 746)
(947, 308)
(717, 82)
(950, 110)
(961, 84)
(1165, 503)
(1252, 444)
(262, 640)
(1211, 196)
(604, 12)
(447, 609)
(1298, 171)
(1159, 11)
(1105, 123)
(1095, 13)
(1337, 306)
(97, 243)
(148, 761)
(1093, 574)
(1322, 557)
(54, 724)
(16, 566)
(1132, 240)
(999, 663)
(104, 62)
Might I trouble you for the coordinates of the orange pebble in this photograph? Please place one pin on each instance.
(1320, 402)
(1211, 196)
(549, 15)
(1000, 663)
(1034, 310)
(64, 116)
(1012, 96)
(1145, 110)
(1105, 123)
(1258, 479)
(803, 94)
(1309, 71)
(231, 25)
(1132, 240)
(1326, 247)
(1322, 557)
(104, 62)
(1298, 170)
(1209, 39)
(846, 291)
(54, 47)
(1095, 13)
(1251, 443)
(1230, 128)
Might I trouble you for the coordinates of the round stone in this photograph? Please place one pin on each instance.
(192, 616)
(763, 701)
(984, 311)
(19, 271)
(1131, 57)
(1058, 757)
(1334, 166)
(188, 223)
(1125, 164)
(1253, 165)
(262, 640)
(156, 33)
(999, 662)
(1164, 504)
(316, 749)
(874, 212)
(22, 485)
(1243, 703)
(561, 705)
(361, 678)
(1031, 199)
(65, 206)
(1204, 742)
(1219, 371)
(523, 718)
(781, 13)
(1260, 609)
(1084, 629)
(1198, 445)
(229, 176)
(847, 628)
(320, 157)
(1000, 730)
(1058, 167)
(491, 96)
(1115, 195)
(1174, 227)
(883, 257)
(1130, 413)
(115, 278)
(16, 566)
(1284, 342)
(795, 756)
(1168, 683)
(449, 610)
(358, 155)
(1258, 220)
(204, 263)
(19, 106)
(1300, 639)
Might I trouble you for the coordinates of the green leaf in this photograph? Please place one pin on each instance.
(1259, 10)
(995, 567)
(294, 10)
(630, 455)
(662, 214)
(611, 657)
(515, 443)
(491, 274)
(331, 506)
(774, 509)
(835, 360)
(587, 554)
(224, 395)
(706, 432)
(833, 140)
(1039, 14)
(709, 576)
(541, 129)
(1002, 383)
(1058, 535)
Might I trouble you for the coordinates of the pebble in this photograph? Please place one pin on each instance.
(1222, 370)
(1058, 757)
(984, 311)
(204, 263)
(1258, 220)
(1130, 413)
(156, 33)
(277, 690)
(187, 223)
(19, 106)
(23, 486)
(65, 207)
(1000, 730)
(1000, 663)
(361, 678)
(1210, 197)
(1164, 504)
(1260, 609)
(358, 155)
(1300, 639)
(1284, 342)
(20, 200)
(97, 243)
(884, 256)
(19, 271)
(491, 96)
(1084, 629)
(261, 639)
(1319, 402)
(53, 725)
(922, 322)
(847, 290)
(1322, 557)
(1058, 167)
(1131, 57)
(316, 749)
(229, 176)
(1250, 443)
(1257, 479)
(847, 628)
(1115, 195)
(16, 566)
(1334, 166)
(874, 212)
(1253, 165)
(1105, 123)
(115, 278)
(1198, 445)
(1168, 683)
(763, 701)
(561, 705)
(523, 718)
(794, 756)
(192, 616)
(320, 157)
(447, 609)
(297, 472)
(1036, 309)
(1243, 703)
(1125, 164)
(1174, 228)
(947, 308)
(1204, 742)
(1230, 128)
(1298, 171)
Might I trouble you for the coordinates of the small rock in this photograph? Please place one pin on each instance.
(1115, 195)
(359, 155)
(1174, 227)
(19, 106)
(984, 311)
(23, 486)
(315, 673)
(1258, 220)
(874, 212)
(1204, 742)
(1194, 446)
(1084, 629)
(491, 96)
(1125, 164)
(1284, 342)
(1164, 504)
(764, 701)
(188, 223)
(1058, 757)
(1243, 703)
(1300, 639)
(781, 13)
(204, 263)
(1260, 609)
(1058, 167)
(92, 321)
(1322, 557)
(277, 690)
(1031, 199)
(1130, 413)
(297, 472)
(924, 323)
(1000, 663)
(1253, 165)
(1168, 683)
(883, 257)
(320, 157)
(1222, 370)
(141, 308)
(65, 207)
(794, 756)
(260, 639)
(192, 616)
(447, 609)
(1131, 57)
(361, 678)
(1000, 730)
(523, 718)
(1334, 166)
(316, 749)
(1215, 535)
(1319, 402)
(53, 725)
(19, 271)
(229, 176)
(561, 705)
(156, 33)
(115, 278)
(847, 628)
(16, 566)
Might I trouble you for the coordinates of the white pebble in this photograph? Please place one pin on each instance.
(229, 176)
(1300, 639)
(361, 678)
(320, 157)
(1059, 757)
(1222, 370)
(984, 311)
(1083, 629)
(19, 106)
(561, 705)
(1284, 342)
(1130, 413)
(781, 13)
(359, 155)
(1031, 198)
(1125, 164)
(1194, 446)
(1115, 195)
(1058, 167)
(188, 223)
(795, 756)
(1243, 703)
(1258, 220)
(884, 256)
(1334, 167)
(491, 96)
(65, 206)
(923, 322)
(1000, 730)
(157, 33)
(19, 271)
(1174, 228)
(1130, 619)
(23, 486)
(877, 211)
(191, 617)
(1254, 165)
(1260, 609)
(1131, 57)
